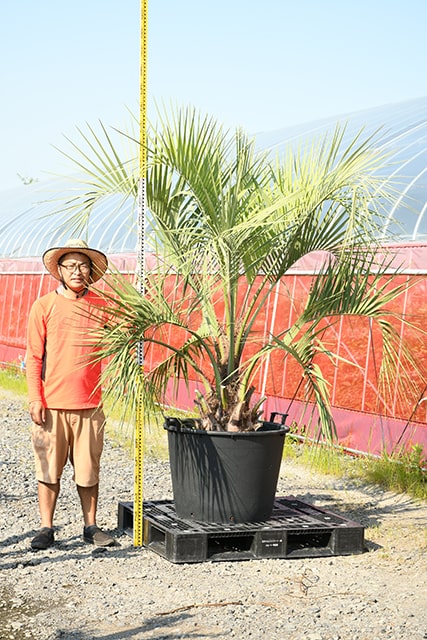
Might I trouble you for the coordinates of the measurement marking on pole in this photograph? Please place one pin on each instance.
(139, 424)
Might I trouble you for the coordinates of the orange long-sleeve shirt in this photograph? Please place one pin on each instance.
(59, 370)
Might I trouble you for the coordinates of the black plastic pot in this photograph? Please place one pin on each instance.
(225, 477)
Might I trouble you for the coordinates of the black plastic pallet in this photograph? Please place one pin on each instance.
(295, 530)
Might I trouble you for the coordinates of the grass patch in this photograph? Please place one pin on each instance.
(402, 472)
(13, 380)
(320, 459)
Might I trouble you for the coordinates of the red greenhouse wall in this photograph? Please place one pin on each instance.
(366, 421)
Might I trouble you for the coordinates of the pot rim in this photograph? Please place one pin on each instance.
(275, 428)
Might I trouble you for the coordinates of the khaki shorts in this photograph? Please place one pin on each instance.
(76, 435)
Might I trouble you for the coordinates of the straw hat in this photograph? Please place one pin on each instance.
(99, 261)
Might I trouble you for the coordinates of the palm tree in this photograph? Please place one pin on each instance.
(226, 225)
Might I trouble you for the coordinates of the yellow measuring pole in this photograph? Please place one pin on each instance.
(139, 424)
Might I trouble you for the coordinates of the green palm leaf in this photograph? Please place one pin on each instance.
(226, 224)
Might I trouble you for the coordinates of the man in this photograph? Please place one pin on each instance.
(63, 383)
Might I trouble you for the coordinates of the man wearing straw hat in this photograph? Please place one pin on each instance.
(63, 384)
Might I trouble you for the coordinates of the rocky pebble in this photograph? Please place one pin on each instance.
(74, 591)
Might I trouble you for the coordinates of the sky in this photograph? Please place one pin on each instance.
(257, 65)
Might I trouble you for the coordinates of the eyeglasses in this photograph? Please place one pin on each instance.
(81, 267)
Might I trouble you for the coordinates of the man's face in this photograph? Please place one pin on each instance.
(75, 269)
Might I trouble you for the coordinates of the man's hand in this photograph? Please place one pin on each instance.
(37, 412)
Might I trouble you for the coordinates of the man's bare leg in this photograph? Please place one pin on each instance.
(48, 495)
(92, 533)
(89, 501)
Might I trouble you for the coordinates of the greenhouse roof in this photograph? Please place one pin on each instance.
(28, 228)
(402, 130)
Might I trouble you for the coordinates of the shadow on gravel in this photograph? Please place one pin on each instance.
(16, 614)
(73, 548)
(370, 511)
(370, 506)
(155, 628)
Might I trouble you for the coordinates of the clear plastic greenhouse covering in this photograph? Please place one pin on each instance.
(28, 228)
(402, 130)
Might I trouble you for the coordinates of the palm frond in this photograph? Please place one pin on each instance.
(226, 224)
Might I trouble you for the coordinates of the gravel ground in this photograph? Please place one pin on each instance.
(74, 591)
